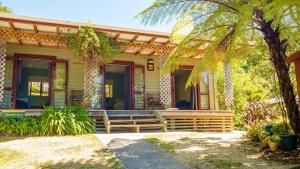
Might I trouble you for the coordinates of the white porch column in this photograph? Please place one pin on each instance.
(165, 83)
(228, 88)
(2, 67)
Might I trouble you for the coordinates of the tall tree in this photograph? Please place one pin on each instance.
(232, 28)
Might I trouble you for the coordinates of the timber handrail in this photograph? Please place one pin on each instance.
(106, 122)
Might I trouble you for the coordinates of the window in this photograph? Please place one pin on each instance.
(109, 88)
(38, 88)
(204, 92)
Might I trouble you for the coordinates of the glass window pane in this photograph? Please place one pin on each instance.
(34, 88)
(139, 88)
(45, 88)
(204, 83)
(109, 88)
(204, 101)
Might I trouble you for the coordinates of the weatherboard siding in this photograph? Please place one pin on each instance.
(76, 69)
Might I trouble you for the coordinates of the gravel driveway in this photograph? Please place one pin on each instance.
(139, 154)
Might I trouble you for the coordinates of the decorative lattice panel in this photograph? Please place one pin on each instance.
(93, 83)
(165, 83)
(228, 89)
(6, 103)
(2, 68)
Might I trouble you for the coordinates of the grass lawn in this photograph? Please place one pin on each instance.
(70, 152)
(221, 151)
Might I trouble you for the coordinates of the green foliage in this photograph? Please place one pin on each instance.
(254, 132)
(274, 138)
(281, 127)
(23, 126)
(229, 29)
(93, 47)
(4, 9)
(166, 146)
(68, 120)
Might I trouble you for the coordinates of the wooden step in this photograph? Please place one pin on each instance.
(136, 120)
(150, 125)
(131, 115)
(123, 125)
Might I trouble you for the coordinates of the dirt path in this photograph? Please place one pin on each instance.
(139, 154)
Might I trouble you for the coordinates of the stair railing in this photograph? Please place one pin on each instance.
(106, 122)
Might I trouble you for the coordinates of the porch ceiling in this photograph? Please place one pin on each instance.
(51, 33)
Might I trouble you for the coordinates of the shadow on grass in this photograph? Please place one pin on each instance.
(100, 160)
(4, 138)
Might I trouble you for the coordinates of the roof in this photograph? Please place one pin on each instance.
(43, 32)
(66, 27)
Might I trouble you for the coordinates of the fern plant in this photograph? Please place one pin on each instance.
(230, 29)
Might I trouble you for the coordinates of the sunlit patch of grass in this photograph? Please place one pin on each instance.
(215, 162)
(166, 146)
(7, 155)
(152, 140)
(117, 165)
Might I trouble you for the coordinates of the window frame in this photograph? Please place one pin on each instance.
(200, 93)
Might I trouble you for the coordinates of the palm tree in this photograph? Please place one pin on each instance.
(94, 49)
(230, 29)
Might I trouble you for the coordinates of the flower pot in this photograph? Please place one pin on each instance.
(273, 146)
(288, 142)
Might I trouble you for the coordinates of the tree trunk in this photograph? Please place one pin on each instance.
(277, 49)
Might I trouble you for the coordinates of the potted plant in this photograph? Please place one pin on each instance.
(288, 139)
(264, 138)
(274, 142)
(283, 129)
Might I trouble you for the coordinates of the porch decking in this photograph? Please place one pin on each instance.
(165, 120)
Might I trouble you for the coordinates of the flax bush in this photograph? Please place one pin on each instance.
(69, 120)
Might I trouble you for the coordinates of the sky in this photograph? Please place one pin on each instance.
(104, 12)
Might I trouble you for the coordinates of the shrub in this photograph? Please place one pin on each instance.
(21, 126)
(281, 127)
(69, 120)
(254, 132)
(256, 112)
